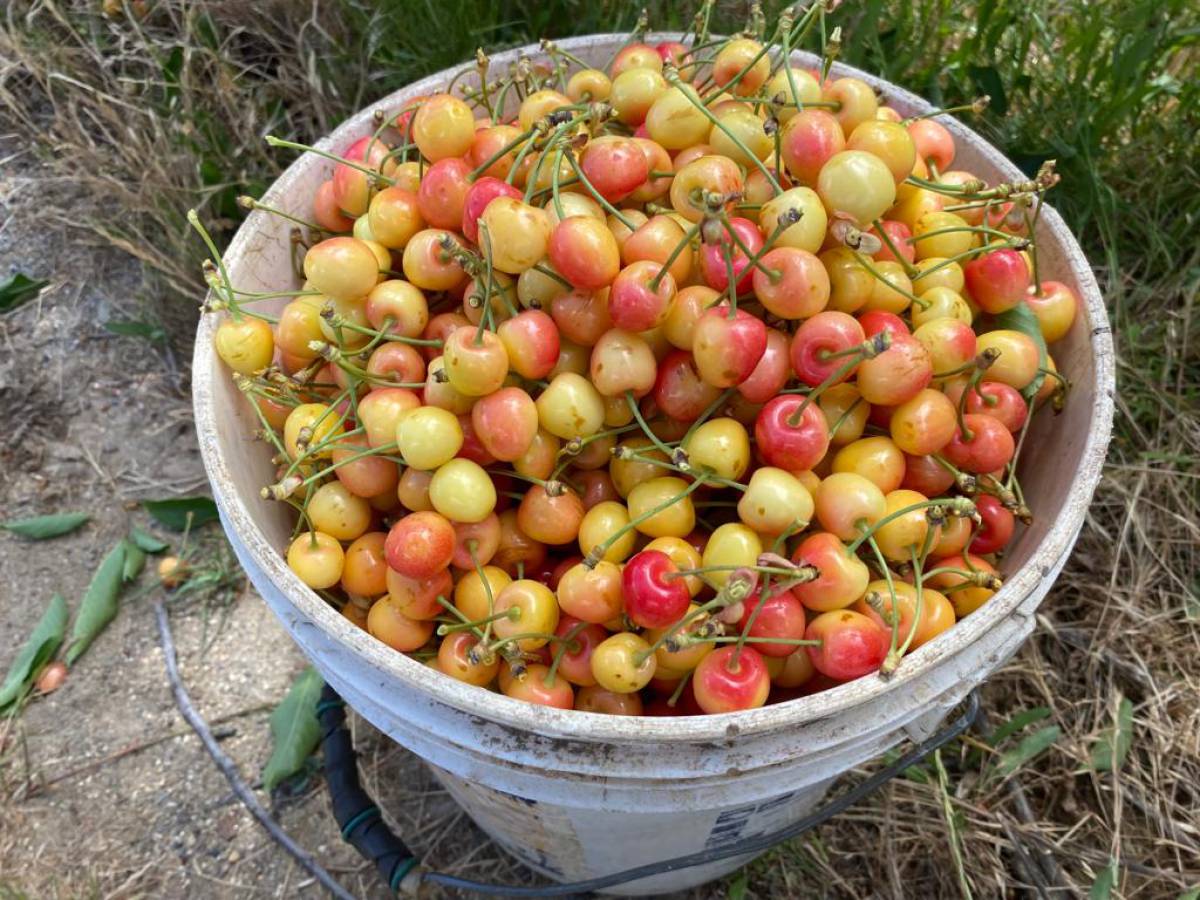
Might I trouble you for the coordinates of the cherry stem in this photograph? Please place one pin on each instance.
(733, 591)
(688, 236)
(194, 220)
(708, 411)
(684, 468)
(727, 255)
(600, 550)
(457, 613)
(966, 254)
(637, 414)
(599, 198)
(956, 506)
(976, 106)
(521, 154)
(891, 661)
(909, 268)
(864, 261)
(499, 154)
(894, 617)
(273, 141)
(755, 259)
(957, 229)
(857, 354)
(381, 450)
(965, 481)
(550, 273)
(391, 336)
(743, 639)
(981, 364)
(562, 650)
(678, 692)
(844, 416)
(674, 80)
(512, 614)
(472, 545)
(245, 201)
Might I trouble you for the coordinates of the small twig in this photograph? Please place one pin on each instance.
(227, 767)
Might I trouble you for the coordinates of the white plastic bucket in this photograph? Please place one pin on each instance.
(576, 795)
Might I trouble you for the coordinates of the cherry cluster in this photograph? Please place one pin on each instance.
(684, 385)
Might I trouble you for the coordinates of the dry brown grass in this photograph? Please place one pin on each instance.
(146, 118)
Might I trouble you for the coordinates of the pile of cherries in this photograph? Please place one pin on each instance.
(682, 386)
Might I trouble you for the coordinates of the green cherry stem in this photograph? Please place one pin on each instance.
(273, 141)
(674, 80)
(598, 552)
(564, 647)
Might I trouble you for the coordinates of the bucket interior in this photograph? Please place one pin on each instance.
(1060, 449)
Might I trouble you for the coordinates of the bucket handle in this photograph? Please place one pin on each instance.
(363, 827)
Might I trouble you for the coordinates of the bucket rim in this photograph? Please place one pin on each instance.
(238, 519)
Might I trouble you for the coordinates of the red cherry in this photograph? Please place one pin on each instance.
(772, 372)
(482, 192)
(727, 349)
(996, 399)
(997, 281)
(897, 374)
(441, 198)
(679, 391)
(852, 645)
(712, 257)
(877, 320)
(817, 338)
(576, 662)
(720, 685)
(634, 303)
(584, 252)
(531, 340)
(898, 233)
(674, 52)
(990, 448)
(841, 576)
(808, 141)
(998, 525)
(473, 447)
(787, 446)
(420, 545)
(652, 598)
(615, 166)
(926, 475)
(779, 615)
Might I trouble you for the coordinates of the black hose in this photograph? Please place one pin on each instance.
(357, 815)
(346, 811)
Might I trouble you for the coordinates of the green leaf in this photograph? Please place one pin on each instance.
(17, 289)
(135, 561)
(146, 541)
(1021, 318)
(39, 649)
(136, 329)
(1110, 750)
(99, 605)
(1102, 887)
(39, 528)
(1017, 723)
(174, 512)
(1192, 894)
(295, 730)
(1024, 752)
(738, 885)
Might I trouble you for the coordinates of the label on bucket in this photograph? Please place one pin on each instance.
(570, 842)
